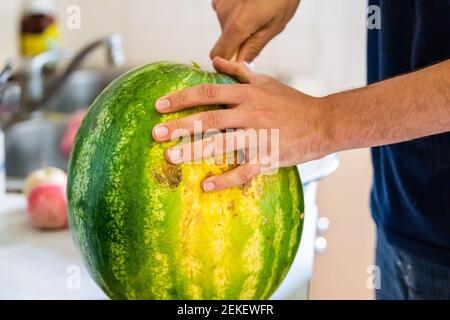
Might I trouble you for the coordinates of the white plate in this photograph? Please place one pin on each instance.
(318, 169)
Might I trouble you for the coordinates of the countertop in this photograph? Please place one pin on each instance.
(38, 264)
(45, 265)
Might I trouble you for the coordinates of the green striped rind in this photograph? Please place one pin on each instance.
(146, 230)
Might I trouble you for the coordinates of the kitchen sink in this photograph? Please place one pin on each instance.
(80, 90)
(35, 142)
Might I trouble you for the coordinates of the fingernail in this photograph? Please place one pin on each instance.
(209, 186)
(175, 155)
(161, 131)
(162, 104)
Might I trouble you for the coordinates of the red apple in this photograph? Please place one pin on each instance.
(71, 131)
(47, 206)
(47, 175)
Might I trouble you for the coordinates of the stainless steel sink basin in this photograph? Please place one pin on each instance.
(35, 142)
(80, 90)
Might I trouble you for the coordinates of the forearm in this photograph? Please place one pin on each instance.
(395, 110)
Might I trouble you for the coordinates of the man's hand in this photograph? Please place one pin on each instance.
(248, 25)
(310, 128)
(259, 102)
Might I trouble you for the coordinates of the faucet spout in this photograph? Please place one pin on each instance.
(35, 82)
(115, 57)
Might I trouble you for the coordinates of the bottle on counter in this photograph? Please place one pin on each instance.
(38, 29)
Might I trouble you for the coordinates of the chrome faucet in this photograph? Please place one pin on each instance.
(34, 72)
(35, 91)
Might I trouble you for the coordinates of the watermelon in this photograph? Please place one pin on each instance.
(145, 228)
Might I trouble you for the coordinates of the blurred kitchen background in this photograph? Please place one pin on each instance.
(321, 51)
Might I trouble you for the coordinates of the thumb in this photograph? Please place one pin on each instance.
(240, 70)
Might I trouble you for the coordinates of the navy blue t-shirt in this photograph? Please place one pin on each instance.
(410, 197)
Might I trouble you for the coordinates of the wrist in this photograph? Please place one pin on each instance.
(329, 124)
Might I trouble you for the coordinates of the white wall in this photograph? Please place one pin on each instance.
(324, 42)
